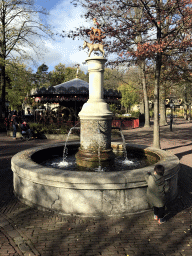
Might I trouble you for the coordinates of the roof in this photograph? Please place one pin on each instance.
(73, 87)
(77, 83)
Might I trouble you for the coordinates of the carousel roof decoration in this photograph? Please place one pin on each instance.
(75, 89)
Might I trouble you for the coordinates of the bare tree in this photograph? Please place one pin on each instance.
(20, 28)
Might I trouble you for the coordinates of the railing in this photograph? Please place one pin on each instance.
(126, 124)
(123, 124)
(120, 123)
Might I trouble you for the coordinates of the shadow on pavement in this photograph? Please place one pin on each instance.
(184, 198)
(180, 155)
(189, 144)
(137, 234)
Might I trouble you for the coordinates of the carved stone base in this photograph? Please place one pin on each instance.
(95, 134)
(90, 159)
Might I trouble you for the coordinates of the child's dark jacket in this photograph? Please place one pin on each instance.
(157, 189)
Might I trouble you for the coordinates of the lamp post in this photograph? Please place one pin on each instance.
(75, 109)
(171, 104)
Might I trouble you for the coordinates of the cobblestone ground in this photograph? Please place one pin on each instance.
(27, 231)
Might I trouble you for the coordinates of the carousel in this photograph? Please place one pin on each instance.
(65, 100)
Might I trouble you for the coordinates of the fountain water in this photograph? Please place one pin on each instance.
(65, 163)
(65, 146)
(126, 161)
(99, 169)
(70, 162)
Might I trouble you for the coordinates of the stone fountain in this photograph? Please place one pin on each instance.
(89, 193)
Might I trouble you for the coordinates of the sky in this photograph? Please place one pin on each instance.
(62, 16)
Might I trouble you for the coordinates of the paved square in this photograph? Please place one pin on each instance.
(27, 231)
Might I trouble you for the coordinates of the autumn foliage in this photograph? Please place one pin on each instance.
(137, 31)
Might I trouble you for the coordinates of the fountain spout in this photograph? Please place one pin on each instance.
(123, 139)
(75, 128)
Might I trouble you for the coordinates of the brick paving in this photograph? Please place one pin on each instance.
(27, 231)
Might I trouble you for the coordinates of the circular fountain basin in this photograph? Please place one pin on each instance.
(87, 193)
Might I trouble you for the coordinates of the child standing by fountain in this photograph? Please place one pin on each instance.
(156, 192)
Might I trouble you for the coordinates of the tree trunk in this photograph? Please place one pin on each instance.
(185, 111)
(189, 117)
(3, 56)
(185, 103)
(156, 132)
(3, 90)
(143, 73)
(146, 102)
(142, 107)
(162, 107)
(162, 111)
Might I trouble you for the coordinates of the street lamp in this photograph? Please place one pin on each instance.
(171, 104)
(75, 109)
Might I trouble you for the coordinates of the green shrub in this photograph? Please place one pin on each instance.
(37, 129)
(179, 112)
(113, 108)
(151, 113)
(135, 114)
(63, 130)
(121, 111)
(40, 129)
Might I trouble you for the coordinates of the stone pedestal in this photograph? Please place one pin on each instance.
(95, 118)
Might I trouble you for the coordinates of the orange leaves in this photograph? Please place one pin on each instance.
(149, 49)
(121, 54)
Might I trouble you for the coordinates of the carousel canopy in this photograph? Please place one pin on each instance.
(73, 90)
(73, 87)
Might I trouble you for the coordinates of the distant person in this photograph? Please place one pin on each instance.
(25, 129)
(15, 123)
(156, 192)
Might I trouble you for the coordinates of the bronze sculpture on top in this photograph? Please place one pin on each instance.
(96, 36)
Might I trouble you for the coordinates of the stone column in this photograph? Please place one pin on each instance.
(95, 118)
